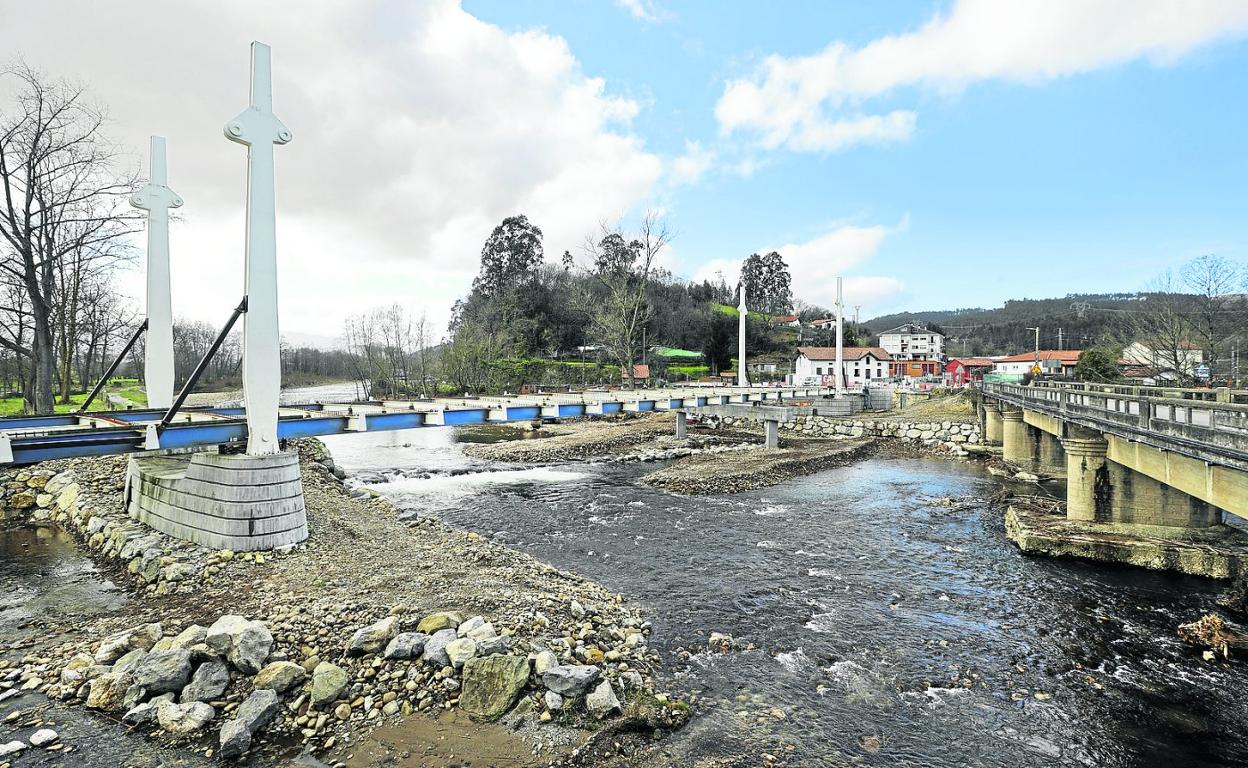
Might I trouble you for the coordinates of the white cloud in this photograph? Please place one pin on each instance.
(689, 167)
(417, 128)
(815, 264)
(814, 102)
(645, 10)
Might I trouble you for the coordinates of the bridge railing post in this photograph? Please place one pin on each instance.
(1146, 412)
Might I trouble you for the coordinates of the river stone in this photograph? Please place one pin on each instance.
(328, 683)
(208, 683)
(280, 676)
(252, 715)
(191, 636)
(12, 748)
(435, 648)
(602, 701)
(492, 645)
(469, 625)
(145, 713)
(162, 671)
(544, 661)
(554, 702)
(183, 720)
(461, 650)
(75, 670)
(406, 645)
(108, 691)
(492, 684)
(245, 643)
(116, 646)
(571, 680)
(43, 736)
(130, 661)
(436, 622)
(374, 637)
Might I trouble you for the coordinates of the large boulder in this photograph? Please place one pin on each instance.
(280, 676)
(435, 648)
(115, 646)
(191, 636)
(184, 719)
(145, 713)
(569, 680)
(245, 643)
(252, 715)
(208, 683)
(374, 637)
(492, 684)
(108, 691)
(436, 622)
(406, 645)
(163, 671)
(328, 683)
(602, 702)
(130, 661)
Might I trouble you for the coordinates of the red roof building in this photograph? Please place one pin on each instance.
(963, 370)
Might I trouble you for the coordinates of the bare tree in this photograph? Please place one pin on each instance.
(1219, 311)
(618, 309)
(63, 197)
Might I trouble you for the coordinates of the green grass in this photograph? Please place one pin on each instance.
(692, 371)
(127, 388)
(732, 312)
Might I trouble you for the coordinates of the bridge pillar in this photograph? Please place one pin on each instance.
(682, 422)
(1052, 457)
(993, 427)
(1087, 481)
(1017, 447)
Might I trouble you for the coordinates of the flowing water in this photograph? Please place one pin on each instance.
(886, 630)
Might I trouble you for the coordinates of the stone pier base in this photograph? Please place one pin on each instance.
(235, 502)
(1220, 552)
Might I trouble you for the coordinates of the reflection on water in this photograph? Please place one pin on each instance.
(43, 577)
(888, 631)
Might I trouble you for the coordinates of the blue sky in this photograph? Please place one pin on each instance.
(1094, 181)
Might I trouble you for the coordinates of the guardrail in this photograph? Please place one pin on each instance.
(1181, 420)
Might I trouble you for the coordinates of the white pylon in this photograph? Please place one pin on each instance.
(742, 380)
(157, 198)
(840, 358)
(258, 129)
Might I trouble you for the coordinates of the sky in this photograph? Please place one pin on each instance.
(936, 154)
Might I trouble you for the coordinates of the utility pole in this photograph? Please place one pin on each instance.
(742, 381)
(1037, 364)
(857, 307)
(840, 364)
(1059, 339)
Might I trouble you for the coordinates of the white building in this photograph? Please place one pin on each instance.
(913, 342)
(1052, 362)
(1158, 364)
(861, 365)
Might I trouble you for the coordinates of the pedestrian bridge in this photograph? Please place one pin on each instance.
(1147, 455)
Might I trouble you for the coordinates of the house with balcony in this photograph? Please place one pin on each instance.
(913, 342)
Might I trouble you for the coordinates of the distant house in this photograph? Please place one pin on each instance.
(1156, 363)
(914, 369)
(790, 320)
(963, 370)
(913, 342)
(1052, 362)
(859, 365)
(640, 372)
(825, 324)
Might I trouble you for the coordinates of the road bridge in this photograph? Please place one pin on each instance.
(1143, 455)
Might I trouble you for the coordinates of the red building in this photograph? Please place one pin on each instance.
(963, 370)
(914, 369)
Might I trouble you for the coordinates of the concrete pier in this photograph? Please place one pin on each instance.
(235, 502)
(993, 424)
(682, 425)
(1016, 445)
(1086, 477)
(771, 429)
(1051, 456)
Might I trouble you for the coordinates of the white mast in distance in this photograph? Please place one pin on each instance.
(742, 381)
(840, 363)
(157, 198)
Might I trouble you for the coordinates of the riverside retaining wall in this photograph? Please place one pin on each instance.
(950, 436)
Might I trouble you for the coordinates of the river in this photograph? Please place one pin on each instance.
(886, 629)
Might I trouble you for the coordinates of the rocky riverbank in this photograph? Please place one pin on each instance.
(372, 622)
